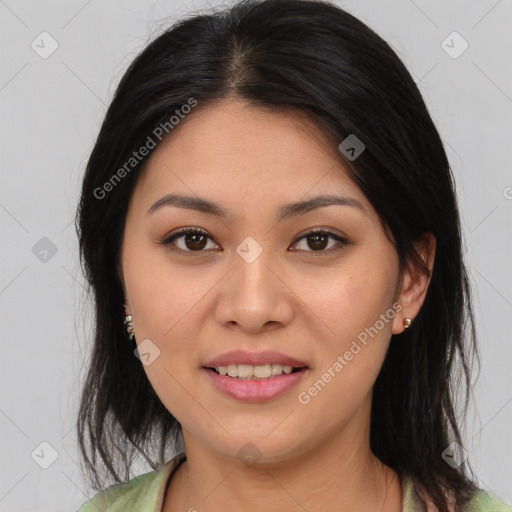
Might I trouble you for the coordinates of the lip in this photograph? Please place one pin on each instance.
(255, 390)
(254, 359)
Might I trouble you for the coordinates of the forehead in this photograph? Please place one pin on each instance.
(233, 152)
(229, 130)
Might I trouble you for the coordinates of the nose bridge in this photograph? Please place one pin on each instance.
(254, 295)
(251, 265)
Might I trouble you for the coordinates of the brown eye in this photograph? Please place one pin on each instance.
(187, 241)
(190, 240)
(195, 241)
(318, 241)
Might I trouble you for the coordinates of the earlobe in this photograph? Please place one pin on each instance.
(415, 282)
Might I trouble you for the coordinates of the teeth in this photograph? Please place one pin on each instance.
(247, 371)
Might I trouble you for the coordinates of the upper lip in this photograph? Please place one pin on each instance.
(254, 359)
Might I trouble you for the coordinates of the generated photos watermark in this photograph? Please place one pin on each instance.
(304, 397)
(137, 156)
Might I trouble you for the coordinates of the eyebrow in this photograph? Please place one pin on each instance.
(285, 212)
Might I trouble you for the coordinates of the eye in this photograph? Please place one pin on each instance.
(318, 240)
(195, 240)
(191, 240)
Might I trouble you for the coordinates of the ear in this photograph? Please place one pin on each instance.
(414, 283)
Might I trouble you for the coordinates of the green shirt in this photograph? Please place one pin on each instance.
(145, 493)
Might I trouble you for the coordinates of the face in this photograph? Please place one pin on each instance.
(255, 280)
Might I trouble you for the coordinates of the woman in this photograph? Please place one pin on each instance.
(269, 226)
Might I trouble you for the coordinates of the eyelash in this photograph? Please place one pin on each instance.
(185, 231)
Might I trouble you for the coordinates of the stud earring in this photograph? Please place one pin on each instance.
(407, 323)
(129, 324)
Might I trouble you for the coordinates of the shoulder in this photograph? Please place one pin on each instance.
(482, 501)
(144, 492)
(485, 502)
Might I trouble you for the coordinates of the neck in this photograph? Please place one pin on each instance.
(344, 474)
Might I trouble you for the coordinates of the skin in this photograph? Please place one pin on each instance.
(313, 456)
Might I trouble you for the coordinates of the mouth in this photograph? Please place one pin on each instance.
(255, 384)
(260, 372)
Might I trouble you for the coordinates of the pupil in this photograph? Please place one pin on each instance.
(316, 243)
(193, 238)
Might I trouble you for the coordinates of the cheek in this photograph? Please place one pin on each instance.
(348, 310)
(166, 307)
(352, 301)
(354, 347)
(165, 311)
(161, 295)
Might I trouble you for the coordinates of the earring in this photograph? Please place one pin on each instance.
(407, 323)
(129, 324)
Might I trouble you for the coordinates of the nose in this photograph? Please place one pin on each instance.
(254, 296)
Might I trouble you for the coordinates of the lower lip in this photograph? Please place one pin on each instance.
(255, 390)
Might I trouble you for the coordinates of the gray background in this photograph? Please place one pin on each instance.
(51, 111)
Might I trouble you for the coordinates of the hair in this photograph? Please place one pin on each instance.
(311, 57)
